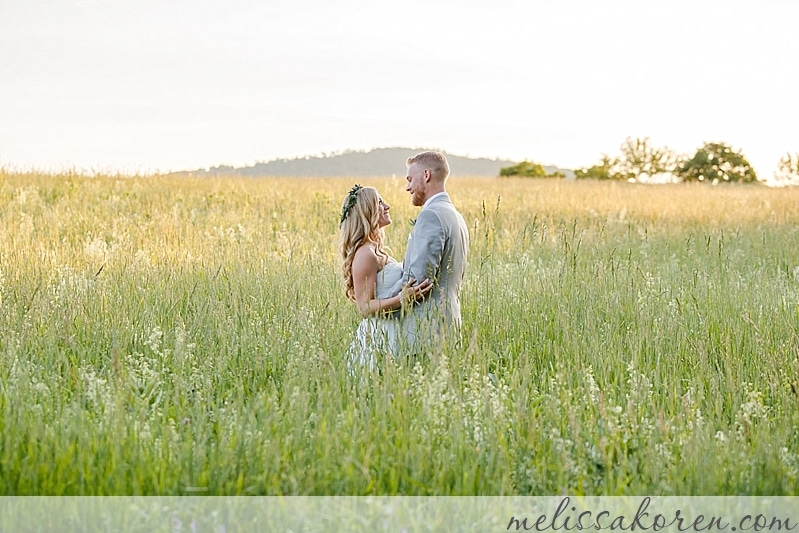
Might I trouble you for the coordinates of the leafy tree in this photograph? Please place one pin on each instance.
(788, 170)
(716, 162)
(603, 171)
(528, 169)
(639, 159)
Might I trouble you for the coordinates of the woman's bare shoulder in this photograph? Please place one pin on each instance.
(366, 249)
(366, 257)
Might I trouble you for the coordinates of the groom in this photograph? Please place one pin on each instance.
(437, 250)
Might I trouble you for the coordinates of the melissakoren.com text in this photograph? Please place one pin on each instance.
(569, 517)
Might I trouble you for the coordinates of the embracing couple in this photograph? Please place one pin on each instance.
(406, 306)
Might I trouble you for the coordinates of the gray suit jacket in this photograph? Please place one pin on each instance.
(437, 250)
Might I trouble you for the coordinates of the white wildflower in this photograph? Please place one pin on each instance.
(664, 452)
(142, 429)
(594, 393)
(640, 387)
(142, 261)
(752, 411)
(68, 285)
(184, 350)
(96, 249)
(96, 391)
(651, 289)
(231, 234)
(790, 462)
(37, 411)
(41, 388)
(437, 400)
(484, 403)
(564, 448)
(154, 340)
(694, 418)
(143, 374)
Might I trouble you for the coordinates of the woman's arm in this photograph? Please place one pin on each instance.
(365, 266)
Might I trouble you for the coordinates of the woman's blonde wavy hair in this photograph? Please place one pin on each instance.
(360, 225)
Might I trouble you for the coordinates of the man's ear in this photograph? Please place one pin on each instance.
(427, 174)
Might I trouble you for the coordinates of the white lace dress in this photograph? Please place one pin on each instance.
(375, 336)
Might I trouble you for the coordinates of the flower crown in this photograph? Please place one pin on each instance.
(351, 197)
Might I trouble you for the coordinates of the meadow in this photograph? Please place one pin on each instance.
(164, 336)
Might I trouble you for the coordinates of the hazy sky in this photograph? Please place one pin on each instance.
(146, 85)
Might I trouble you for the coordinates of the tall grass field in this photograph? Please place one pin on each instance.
(164, 336)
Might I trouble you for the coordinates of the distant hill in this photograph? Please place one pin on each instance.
(374, 163)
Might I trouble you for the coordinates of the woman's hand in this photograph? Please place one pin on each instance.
(411, 293)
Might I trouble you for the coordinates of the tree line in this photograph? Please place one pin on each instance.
(639, 160)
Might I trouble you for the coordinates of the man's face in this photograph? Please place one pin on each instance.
(417, 181)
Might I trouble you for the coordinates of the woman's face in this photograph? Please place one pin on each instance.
(385, 218)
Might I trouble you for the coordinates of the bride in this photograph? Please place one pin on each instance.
(372, 278)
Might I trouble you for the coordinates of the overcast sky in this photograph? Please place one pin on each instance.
(149, 85)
